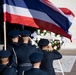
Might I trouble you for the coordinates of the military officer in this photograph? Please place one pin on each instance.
(24, 51)
(35, 59)
(13, 35)
(6, 66)
(49, 55)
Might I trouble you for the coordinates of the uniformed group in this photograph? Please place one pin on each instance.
(24, 58)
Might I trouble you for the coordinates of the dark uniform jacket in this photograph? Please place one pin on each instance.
(23, 53)
(47, 61)
(12, 47)
(35, 71)
(8, 69)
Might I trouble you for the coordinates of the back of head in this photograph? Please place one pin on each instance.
(43, 42)
(36, 57)
(4, 53)
(13, 33)
(25, 33)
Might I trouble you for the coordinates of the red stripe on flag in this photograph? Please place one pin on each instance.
(67, 11)
(20, 20)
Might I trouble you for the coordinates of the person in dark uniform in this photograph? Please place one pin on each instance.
(35, 59)
(6, 66)
(49, 55)
(14, 43)
(24, 51)
(12, 46)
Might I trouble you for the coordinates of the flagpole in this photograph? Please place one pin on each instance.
(4, 35)
(4, 9)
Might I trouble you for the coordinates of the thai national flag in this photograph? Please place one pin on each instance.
(39, 14)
